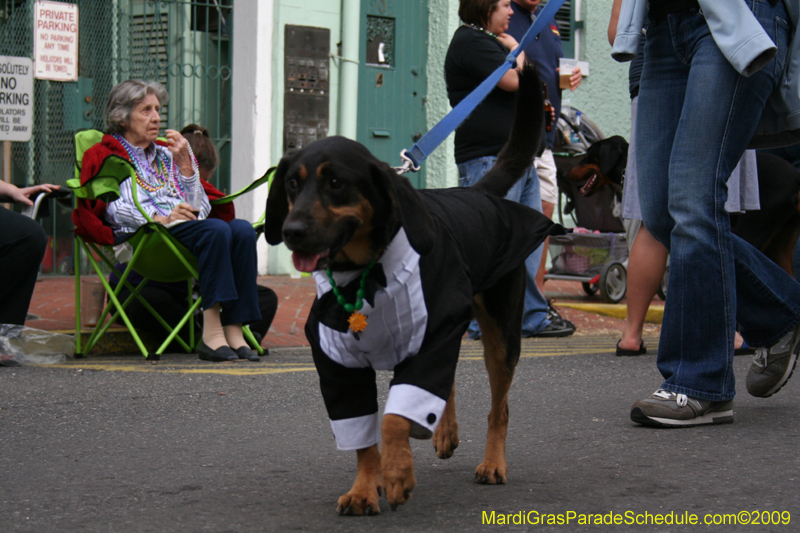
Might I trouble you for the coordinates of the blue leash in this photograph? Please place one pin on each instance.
(430, 141)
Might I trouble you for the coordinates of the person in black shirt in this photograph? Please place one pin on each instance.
(477, 48)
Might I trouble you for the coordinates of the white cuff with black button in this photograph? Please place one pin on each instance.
(422, 408)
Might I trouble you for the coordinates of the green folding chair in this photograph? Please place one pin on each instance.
(157, 255)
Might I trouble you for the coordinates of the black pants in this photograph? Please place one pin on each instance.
(226, 262)
(22, 246)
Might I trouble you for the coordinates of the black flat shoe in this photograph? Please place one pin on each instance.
(220, 355)
(627, 353)
(246, 353)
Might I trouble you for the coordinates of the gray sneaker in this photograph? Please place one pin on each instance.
(772, 367)
(664, 408)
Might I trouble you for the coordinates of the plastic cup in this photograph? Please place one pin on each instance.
(194, 197)
(565, 68)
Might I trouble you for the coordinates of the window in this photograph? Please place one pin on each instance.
(566, 27)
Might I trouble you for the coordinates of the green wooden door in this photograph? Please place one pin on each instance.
(392, 81)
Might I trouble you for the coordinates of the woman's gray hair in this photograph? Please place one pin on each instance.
(124, 97)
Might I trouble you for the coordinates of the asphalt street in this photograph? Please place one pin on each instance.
(123, 445)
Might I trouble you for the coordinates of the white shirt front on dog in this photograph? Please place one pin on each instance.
(396, 322)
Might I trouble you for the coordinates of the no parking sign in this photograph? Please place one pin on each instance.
(16, 98)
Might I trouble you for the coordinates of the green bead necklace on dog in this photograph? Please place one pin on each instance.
(357, 321)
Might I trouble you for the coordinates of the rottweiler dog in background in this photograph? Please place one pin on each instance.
(603, 164)
(400, 273)
(773, 229)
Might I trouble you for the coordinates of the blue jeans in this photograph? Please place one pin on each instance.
(527, 192)
(226, 261)
(696, 116)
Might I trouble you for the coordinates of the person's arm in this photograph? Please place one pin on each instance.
(22, 196)
(188, 175)
(122, 212)
(476, 56)
(510, 80)
(6, 189)
(612, 24)
(739, 35)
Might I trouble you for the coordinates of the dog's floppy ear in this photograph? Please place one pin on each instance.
(613, 155)
(277, 204)
(407, 202)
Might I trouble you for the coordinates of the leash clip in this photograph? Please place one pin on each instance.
(512, 58)
(408, 163)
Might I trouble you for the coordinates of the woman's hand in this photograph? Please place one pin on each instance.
(182, 211)
(508, 41)
(179, 147)
(22, 196)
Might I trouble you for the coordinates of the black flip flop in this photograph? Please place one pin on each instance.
(623, 352)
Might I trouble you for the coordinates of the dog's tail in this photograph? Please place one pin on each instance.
(526, 140)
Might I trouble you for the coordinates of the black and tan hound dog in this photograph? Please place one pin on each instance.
(399, 275)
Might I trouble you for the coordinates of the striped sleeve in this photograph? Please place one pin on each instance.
(122, 213)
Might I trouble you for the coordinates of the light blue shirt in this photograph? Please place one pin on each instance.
(747, 47)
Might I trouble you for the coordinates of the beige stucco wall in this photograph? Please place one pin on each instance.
(442, 22)
(252, 113)
(603, 96)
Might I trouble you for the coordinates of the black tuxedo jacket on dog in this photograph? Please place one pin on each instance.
(417, 308)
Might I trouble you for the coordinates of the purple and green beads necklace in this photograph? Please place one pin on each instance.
(164, 175)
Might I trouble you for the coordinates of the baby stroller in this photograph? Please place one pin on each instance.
(596, 252)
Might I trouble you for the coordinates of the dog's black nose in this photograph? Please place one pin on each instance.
(294, 231)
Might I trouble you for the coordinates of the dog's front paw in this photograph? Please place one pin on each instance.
(398, 478)
(366, 490)
(445, 439)
(360, 501)
(491, 473)
(397, 461)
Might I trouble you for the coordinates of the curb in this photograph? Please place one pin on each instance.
(654, 314)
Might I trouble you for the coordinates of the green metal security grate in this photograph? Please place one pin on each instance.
(186, 45)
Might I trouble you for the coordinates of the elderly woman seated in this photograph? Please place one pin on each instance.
(170, 192)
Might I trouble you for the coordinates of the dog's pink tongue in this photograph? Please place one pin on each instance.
(305, 262)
